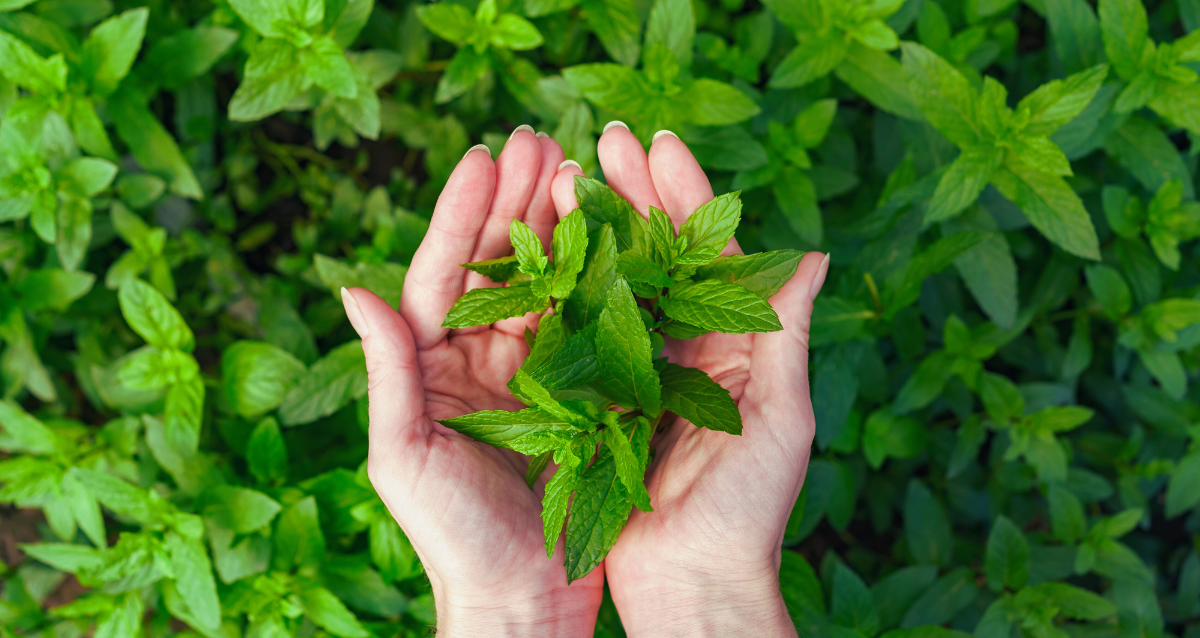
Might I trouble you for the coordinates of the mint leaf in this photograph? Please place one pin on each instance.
(332, 382)
(642, 270)
(1052, 207)
(598, 513)
(501, 270)
(1124, 27)
(673, 24)
(1056, 103)
(720, 306)
(1007, 561)
(550, 335)
(711, 103)
(569, 248)
(110, 49)
(531, 392)
(601, 205)
(600, 271)
(465, 70)
(617, 25)
(764, 274)
(815, 56)
(268, 17)
(932, 260)
(194, 578)
(484, 306)
(571, 365)
(693, 395)
(559, 487)
(531, 431)
(943, 94)
(812, 124)
(274, 76)
(629, 469)
(153, 317)
(512, 31)
(530, 254)
(661, 235)
(624, 353)
(880, 78)
(709, 229)
(961, 185)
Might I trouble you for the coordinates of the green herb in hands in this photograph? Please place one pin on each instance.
(596, 381)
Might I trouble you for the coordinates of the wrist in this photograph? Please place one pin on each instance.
(566, 612)
(704, 602)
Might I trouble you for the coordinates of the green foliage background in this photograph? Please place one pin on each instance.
(1006, 433)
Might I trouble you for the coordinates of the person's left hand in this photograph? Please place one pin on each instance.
(464, 505)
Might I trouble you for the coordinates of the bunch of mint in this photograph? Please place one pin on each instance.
(596, 377)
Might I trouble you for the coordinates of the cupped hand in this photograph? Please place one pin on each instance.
(464, 505)
(706, 560)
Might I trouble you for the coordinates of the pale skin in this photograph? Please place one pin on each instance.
(705, 562)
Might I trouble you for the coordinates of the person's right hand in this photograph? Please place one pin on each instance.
(464, 505)
(705, 562)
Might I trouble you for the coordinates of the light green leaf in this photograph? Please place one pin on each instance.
(483, 306)
(716, 305)
(275, 74)
(514, 32)
(943, 95)
(531, 431)
(1123, 24)
(326, 64)
(693, 395)
(1051, 206)
(153, 317)
(763, 274)
(257, 375)
(598, 513)
(673, 24)
(330, 384)
(109, 51)
(194, 579)
(624, 353)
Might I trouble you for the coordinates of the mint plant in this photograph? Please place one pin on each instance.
(619, 285)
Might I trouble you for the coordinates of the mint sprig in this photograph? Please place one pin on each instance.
(595, 380)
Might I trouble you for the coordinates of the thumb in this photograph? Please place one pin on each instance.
(396, 396)
(779, 361)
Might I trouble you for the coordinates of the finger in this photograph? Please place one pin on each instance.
(625, 167)
(395, 395)
(563, 188)
(540, 215)
(779, 360)
(435, 280)
(517, 170)
(679, 181)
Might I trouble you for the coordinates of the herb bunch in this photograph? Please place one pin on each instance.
(596, 377)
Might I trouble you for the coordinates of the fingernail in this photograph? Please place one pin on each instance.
(662, 133)
(613, 124)
(355, 314)
(569, 163)
(523, 127)
(819, 280)
(542, 134)
(477, 147)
